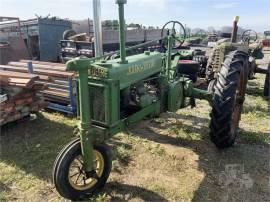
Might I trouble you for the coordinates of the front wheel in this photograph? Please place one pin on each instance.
(228, 99)
(69, 174)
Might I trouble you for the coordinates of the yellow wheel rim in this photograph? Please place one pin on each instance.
(77, 177)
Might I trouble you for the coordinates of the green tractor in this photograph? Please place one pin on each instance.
(248, 45)
(114, 94)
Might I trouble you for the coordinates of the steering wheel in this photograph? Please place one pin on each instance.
(179, 35)
(249, 36)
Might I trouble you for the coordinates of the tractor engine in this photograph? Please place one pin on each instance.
(120, 89)
(139, 96)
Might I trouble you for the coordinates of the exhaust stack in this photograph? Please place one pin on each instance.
(122, 36)
(235, 29)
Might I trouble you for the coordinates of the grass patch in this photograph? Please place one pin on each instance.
(155, 149)
(170, 158)
(122, 153)
(255, 137)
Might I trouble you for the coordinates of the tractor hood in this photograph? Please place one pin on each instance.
(138, 67)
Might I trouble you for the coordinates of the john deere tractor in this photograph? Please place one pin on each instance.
(114, 94)
(247, 44)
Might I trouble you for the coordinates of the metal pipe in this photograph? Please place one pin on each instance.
(97, 28)
(169, 56)
(127, 49)
(122, 36)
(235, 29)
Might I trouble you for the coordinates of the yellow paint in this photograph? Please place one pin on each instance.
(236, 18)
(91, 182)
(98, 72)
(136, 68)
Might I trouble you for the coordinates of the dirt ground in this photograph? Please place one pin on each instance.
(169, 158)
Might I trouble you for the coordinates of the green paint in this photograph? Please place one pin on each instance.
(81, 65)
(102, 85)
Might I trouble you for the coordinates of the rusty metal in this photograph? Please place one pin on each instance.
(235, 29)
(239, 99)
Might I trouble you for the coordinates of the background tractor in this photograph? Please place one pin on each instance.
(266, 40)
(248, 44)
(116, 93)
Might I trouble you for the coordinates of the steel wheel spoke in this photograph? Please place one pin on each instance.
(173, 25)
(79, 160)
(77, 178)
(74, 175)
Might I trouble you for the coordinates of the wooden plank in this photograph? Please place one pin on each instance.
(39, 71)
(38, 66)
(44, 63)
(24, 75)
(26, 83)
(17, 74)
(11, 79)
(60, 100)
(55, 93)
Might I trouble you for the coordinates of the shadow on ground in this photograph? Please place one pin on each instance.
(255, 89)
(240, 173)
(34, 144)
(124, 192)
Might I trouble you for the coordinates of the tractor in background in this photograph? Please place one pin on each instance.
(266, 40)
(116, 93)
(248, 44)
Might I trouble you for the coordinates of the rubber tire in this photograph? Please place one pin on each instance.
(61, 169)
(60, 155)
(211, 86)
(266, 83)
(223, 99)
(68, 33)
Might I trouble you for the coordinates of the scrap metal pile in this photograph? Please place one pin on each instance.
(20, 95)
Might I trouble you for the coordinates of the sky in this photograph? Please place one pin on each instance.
(254, 14)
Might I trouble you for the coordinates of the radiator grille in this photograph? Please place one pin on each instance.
(98, 104)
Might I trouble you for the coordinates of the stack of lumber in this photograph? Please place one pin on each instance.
(19, 95)
(59, 89)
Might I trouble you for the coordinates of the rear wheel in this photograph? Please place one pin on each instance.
(228, 99)
(211, 86)
(70, 176)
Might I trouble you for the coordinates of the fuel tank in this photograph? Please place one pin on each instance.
(136, 69)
